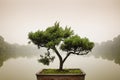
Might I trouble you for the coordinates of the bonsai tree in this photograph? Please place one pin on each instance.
(64, 38)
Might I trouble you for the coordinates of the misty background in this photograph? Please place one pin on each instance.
(8, 51)
(98, 20)
(20, 62)
(109, 50)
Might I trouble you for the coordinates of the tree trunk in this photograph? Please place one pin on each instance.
(61, 65)
(60, 58)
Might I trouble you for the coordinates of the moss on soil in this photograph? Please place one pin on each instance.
(64, 71)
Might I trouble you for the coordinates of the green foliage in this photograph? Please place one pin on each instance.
(76, 44)
(50, 37)
(46, 59)
(56, 35)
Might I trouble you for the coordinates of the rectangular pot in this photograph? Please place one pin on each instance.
(80, 76)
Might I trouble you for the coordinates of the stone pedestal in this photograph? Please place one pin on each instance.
(80, 76)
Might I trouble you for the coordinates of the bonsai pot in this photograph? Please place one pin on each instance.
(78, 75)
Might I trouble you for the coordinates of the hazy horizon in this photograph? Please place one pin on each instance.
(96, 19)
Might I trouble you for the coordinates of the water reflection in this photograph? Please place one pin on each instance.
(23, 52)
(25, 68)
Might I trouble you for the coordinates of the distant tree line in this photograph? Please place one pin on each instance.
(108, 50)
(8, 51)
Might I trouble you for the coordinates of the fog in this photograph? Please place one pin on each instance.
(96, 19)
(109, 50)
(21, 61)
(8, 51)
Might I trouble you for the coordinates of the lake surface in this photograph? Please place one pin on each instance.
(24, 68)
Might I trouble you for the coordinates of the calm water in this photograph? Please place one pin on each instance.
(25, 68)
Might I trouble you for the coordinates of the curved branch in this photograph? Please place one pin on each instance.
(58, 54)
(84, 53)
(81, 53)
(67, 56)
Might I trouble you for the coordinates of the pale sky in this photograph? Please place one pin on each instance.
(98, 20)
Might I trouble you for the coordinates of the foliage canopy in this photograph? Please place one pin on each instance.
(54, 36)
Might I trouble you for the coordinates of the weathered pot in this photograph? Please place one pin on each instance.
(80, 76)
